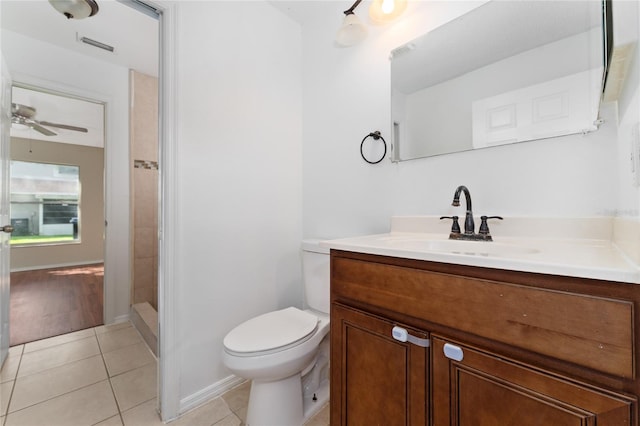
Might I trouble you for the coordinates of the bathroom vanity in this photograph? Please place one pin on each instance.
(511, 335)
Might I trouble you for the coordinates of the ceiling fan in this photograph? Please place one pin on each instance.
(22, 114)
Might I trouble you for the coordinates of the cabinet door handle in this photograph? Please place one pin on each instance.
(453, 352)
(402, 335)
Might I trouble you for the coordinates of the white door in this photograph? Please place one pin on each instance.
(556, 107)
(5, 221)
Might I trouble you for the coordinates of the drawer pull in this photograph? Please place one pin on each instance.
(453, 352)
(402, 335)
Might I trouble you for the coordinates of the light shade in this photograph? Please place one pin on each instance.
(383, 11)
(352, 31)
(75, 9)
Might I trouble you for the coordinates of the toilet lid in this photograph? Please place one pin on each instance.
(271, 330)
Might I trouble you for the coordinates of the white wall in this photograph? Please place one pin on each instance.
(447, 123)
(346, 95)
(46, 66)
(627, 23)
(239, 178)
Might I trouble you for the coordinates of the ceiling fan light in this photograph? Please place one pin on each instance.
(19, 126)
(352, 31)
(75, 9)
(383, 11)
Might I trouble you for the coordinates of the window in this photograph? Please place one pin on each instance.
(44, 203)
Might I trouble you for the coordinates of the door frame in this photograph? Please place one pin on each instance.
(168, 218)
(110, 296)
(5, 216)
(168, 215)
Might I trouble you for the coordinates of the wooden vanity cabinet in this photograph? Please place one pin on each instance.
(523, 349)
(485, 389)
(381, 381)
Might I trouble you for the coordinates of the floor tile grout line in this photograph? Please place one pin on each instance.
(59, 365)
(101, 354)
(142, 341)
(48, 369)
(117, 375)
(135, 406)
(120, 412)
(56, 396)
(127, 371)
(13, 386)
(125, 346)
(55, 337)
(113, 392)
(15, 382)
(56, 345)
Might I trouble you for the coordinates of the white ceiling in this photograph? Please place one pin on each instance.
(302, 11)
(133, 34)
(491, 32)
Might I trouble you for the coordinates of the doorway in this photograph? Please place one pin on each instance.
(57, 212)
(100, 81)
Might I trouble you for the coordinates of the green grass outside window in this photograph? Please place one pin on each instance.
(40, 239)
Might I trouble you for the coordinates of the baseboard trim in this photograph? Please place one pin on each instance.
(59, 265)
(119, 319)
(207, 394)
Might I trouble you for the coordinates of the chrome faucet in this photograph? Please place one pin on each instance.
(469, 225)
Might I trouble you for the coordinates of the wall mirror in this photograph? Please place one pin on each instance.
(506, 72)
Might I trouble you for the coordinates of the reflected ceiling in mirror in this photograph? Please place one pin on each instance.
(506, 72)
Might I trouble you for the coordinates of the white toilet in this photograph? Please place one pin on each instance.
(285, 353)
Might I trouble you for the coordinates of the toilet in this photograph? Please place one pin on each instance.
(285, 353)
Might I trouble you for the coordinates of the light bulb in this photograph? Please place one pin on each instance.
(387, 6)
(383, 11)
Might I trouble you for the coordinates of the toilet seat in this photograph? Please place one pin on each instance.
(271, 332)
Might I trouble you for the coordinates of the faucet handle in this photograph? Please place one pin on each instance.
(455, 226)
(484, 228)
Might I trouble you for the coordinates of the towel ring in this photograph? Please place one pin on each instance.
(376, 136)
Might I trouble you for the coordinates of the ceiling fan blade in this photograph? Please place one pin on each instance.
(18, 119)
(64, 126)
(35, 126)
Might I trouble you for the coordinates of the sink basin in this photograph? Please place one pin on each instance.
(478, 248)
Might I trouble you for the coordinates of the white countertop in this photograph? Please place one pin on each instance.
(578, 247)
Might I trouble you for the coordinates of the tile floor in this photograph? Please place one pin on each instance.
(102, 376)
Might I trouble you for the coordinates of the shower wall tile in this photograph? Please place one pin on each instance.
(145, 197)
(144, 186)
(144, 116)
(143, 272)
(144, 242)
(143, 294)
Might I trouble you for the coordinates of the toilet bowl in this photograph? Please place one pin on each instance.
(285, 353)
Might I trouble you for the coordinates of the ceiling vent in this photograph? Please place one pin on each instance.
(95, 43)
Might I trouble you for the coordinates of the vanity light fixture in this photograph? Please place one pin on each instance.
(354, 31)
(75, 9)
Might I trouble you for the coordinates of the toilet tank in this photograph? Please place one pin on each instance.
(315, 275)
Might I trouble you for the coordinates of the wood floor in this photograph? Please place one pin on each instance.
(49, 302)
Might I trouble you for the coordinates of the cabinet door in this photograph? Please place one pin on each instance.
(480, 388)
(375, 379)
